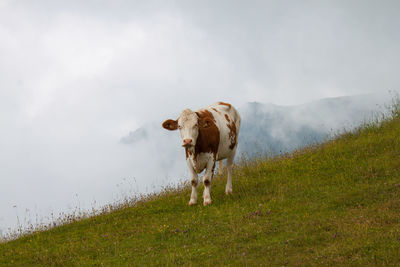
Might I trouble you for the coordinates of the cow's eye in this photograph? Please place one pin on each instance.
(180, 127)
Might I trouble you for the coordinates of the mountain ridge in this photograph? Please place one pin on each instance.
(274, 129)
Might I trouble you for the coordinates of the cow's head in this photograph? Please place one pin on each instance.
(189, 124)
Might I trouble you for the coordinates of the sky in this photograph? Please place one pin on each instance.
(76, 76)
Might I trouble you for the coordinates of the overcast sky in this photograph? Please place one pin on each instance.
(76, 76)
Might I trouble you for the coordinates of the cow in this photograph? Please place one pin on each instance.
(208, 135)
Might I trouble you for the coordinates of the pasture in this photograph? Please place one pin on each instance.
(333, 204)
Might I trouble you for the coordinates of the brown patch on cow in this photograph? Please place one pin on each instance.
(225, 104)
(194, 183)
(207, 182)
(227, 117)
(170, 125)
(232, 134)
(208, 138)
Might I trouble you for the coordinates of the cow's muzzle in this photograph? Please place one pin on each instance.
(187, 143)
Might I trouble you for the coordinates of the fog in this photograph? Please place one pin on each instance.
(77, 77)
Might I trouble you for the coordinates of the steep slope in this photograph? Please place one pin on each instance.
(333, 204)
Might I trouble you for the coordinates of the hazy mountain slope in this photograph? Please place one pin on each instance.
(266, 128)
(273, 129)
(335, 204)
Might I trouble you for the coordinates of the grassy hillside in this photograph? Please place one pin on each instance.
(333, 204)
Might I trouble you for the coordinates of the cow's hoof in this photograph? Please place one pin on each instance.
(192, 202)
(228, 192)
(207, 202)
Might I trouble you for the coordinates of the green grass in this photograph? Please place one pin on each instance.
(332, 204)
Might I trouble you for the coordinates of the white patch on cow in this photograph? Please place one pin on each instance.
(200, 162)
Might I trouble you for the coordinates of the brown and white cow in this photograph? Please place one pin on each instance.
(208, 135)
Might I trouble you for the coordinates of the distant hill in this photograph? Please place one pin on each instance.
(273, 129)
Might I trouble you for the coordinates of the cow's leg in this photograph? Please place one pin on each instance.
(194, 182)
(220, 167)
(207, 181)
(229, 167)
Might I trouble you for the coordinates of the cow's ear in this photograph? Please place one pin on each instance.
(205, 123)
(170, 125)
